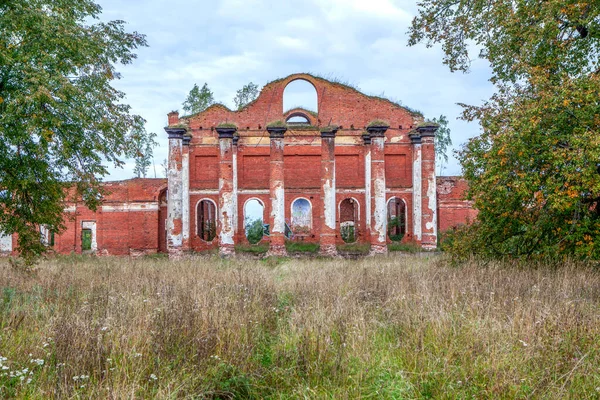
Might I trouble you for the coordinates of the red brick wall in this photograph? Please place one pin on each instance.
(453, 209)
(126, 223)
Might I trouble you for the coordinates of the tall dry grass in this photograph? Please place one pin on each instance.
(396, 327)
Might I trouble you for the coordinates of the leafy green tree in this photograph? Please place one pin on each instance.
(198, 99)
(442, 141)
(60, 118)
(254, 230)
(245, 95)
(534, 170)
(143, 144)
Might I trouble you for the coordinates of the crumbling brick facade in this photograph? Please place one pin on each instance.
(336, 178)
(337, 155)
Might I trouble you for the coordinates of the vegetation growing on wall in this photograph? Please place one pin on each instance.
(533, 173)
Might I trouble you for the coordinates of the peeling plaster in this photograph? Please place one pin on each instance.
(380, 213)
(432, 204)
(278, 209)
(417, 197)
(368, 187)
(124, 207)
(174, 201)
(329, 203)
(235, 190)
(185, 196)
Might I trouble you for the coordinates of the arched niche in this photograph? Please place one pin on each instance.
(349, 217)
(300, 93)
(396, 217)
(254, 220)
(301, 217)
(206, 220)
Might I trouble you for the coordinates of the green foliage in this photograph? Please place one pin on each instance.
(143, 144)
(301, 247)
(60, 118)
(227, 125)
(348, 234)
(198, 99)
(442, 141)
(245, 95)
(329, 128)
(356, 248)
(277, 124)
(533, 173)
(404, 247)
(378, 122)
(254, 230)
(394, 225)
(259, 248)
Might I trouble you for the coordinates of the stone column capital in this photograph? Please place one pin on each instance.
(187, 138)
(225, 133)
(366, 139)
(377, 131)
(276, 132)
(328, 132)
(175, 132)
(415, 137)
(427, 129)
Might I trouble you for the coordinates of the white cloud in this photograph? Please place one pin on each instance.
(229, 43)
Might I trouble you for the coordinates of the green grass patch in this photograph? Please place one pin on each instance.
(252, 248)
(301, 247)
(404, 247)
(355, 248)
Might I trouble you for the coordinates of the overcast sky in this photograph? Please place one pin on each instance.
(229, 43)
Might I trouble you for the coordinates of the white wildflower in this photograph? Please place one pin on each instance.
(153, 377)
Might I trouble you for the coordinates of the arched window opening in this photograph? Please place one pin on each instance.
(301, 217)
(396, 216)
(298, 119)
(254, 220)
(348, 220)
(300, 94)
(206, 220)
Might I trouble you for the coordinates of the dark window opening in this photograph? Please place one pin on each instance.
(396, 215)
(348, 220)
(206, 220)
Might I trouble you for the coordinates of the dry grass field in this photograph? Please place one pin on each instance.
(395, 327)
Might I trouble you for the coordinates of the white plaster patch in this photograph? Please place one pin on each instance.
(380, 213)
(432, 204)
(226, 218)
(368, 188)
(124, 207)
(235, 192)
(91, 225)
(185, 196)
(417, 196)
(329, 203)
(278, 210)
(5, 243)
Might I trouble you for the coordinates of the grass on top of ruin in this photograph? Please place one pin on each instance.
(387, 327)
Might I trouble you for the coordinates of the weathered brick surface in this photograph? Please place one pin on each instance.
(134, 217)
(126, 223)
(453, 209)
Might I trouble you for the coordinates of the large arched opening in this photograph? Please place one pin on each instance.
(300, 93)
(396, 217)
(254, 220)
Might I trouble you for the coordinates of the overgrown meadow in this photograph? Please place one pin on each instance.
(393, 327)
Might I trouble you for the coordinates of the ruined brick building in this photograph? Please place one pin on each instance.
(360, 169)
